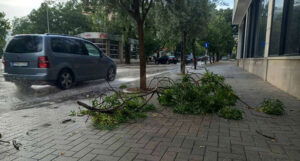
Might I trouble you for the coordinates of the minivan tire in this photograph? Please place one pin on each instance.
(111, 74)
(65, 79)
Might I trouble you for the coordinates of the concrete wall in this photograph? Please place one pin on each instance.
(282, 72)
(285, 74)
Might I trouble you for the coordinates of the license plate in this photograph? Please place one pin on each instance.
(20, 64)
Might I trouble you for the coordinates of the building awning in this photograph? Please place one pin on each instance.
(239, 10)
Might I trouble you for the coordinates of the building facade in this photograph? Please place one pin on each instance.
(269, 41)
(112, 45)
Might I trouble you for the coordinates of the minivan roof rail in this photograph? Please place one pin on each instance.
(61, 35)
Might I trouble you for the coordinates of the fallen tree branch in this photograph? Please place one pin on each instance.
(269, 137)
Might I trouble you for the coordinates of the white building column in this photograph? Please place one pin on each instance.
(240, 40)
(268, 30)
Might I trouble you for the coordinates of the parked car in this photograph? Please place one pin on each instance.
(189, 59)
(54, 59)
(203, 58)
(167, 60)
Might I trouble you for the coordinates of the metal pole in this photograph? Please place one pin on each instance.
(48, 17)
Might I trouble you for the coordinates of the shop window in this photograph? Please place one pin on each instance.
(292, 41)
(285, 33)
(261, 28)
(276, 27)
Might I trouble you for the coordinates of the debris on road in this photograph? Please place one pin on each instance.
(67, 120)
(16, 144)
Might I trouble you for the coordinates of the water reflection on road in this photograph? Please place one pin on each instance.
(10, 96)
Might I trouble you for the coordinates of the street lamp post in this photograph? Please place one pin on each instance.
(47, 10)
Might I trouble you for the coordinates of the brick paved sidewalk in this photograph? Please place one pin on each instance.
(162, 136)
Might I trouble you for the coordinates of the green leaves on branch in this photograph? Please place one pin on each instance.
(131, 108)
(231, 113)
(208, 94)
(272, 107)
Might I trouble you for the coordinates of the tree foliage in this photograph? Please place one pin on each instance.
(220, 33)
(4, 26)
(64, 18)
(138, 11)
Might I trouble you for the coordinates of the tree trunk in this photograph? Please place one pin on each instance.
(218, 57)
(127, 53)
(142, 55)
(182, 67)
(214, 57)
(194, 54)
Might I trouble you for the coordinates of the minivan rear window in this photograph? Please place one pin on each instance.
(25, 44)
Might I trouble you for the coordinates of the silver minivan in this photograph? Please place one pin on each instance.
(54, 59)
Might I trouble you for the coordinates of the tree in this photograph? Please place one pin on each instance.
(4, 27)
(114, 21)
(64, 18)
(189, 18)
(138, 11)
(220, 35)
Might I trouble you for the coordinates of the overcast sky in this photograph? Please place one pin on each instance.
(19, 8)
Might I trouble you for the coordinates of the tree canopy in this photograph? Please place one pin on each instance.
(4, 26)
(64, 18)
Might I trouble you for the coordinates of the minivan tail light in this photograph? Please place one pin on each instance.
(43, 62)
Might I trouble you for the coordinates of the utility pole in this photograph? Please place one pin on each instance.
(48, 26)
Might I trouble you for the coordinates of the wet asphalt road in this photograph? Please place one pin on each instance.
(11, 98)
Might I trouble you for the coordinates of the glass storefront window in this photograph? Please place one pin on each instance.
(292, 41)
(285, 33)
(261, 28)
(276, 27)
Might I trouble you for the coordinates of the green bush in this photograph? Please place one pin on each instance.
(190, 97)
(123, 86)
(132, 109)
(272, 107)
(231, 113)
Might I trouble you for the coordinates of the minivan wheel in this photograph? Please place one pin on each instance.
(65, 80)
(110, 75)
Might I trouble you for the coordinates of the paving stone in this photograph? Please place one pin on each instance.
(128, 156)
(169, 156)
(148, 157)
(49, 157)
(88, 157)
(210, 156)
(82, 152)
(43, 154)
(252, 156)
(231, 156)
(62, 158)
(121, 151)
(102, 151)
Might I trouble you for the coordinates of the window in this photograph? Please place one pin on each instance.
(114, 49)
(67, 45)
(285, 34)
(25, 44)
(261, 28)
(92, 50)
(256, 28)
(276, 27)
(292, 42)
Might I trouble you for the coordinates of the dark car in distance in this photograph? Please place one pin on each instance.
(167, 60)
